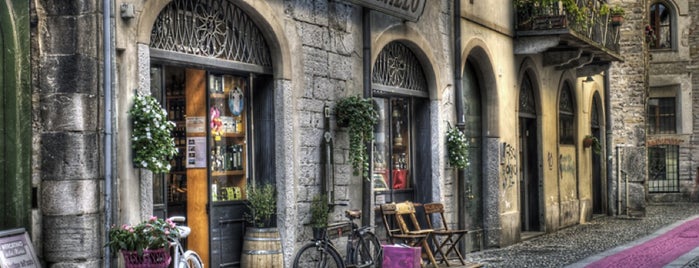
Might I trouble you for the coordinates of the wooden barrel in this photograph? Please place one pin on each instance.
(262, 247)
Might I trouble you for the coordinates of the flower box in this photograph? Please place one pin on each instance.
(151, 258)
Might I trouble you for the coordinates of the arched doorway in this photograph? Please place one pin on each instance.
(598, 191)
(402, 146)
(471, 200)
(529, 184)
(211, 67)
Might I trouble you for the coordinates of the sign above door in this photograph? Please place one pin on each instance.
(406, 9)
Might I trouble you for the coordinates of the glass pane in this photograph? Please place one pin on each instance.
(381, 155)
(400, 154)
(228, 151)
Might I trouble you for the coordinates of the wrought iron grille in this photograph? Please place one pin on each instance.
(210, 28)
(663, 168)
(526, 97)
(397, 66)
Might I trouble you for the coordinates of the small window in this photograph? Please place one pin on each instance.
(661, 116)
(566, 116)
(663, 168)
(661, 34)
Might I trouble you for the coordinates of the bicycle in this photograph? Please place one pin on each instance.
(363, 247)
(180, 257)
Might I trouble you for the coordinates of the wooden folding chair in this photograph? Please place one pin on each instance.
(395, 234)
(407, 210)
(434, 212)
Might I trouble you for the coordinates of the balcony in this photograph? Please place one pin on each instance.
(571, 34)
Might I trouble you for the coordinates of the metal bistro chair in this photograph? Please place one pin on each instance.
(434, 212)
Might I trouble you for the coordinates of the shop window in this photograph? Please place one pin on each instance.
(662, 116)
(660, 34)
(663, 168)
(400, 94)
(566, 116)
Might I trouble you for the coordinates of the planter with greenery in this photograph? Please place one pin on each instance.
(151, 140)
(457, 148)
(145, 244)
(592, 141)
(360, 116)
(319, 215)
(262, 202)
(617, 14)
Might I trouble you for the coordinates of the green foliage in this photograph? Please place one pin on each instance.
(596, 146)
(360, 116)
(617, 10)
(154, 233)
(151, 140)
(457, 148)
(319, 211)
(262, 202)
(604, 10)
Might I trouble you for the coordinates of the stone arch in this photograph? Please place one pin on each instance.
(529, 68)
(419, 46)
(477, 51)
(259, 12)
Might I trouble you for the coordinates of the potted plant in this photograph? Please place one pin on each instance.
(145, 244)
(457, 148)
(151, 139)
(262, 242)
(360, 116)
(319, 215)
(592, 141)
(617, 14)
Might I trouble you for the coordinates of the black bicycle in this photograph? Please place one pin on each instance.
(363, 247)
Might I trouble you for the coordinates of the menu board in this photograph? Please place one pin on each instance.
(16, 250)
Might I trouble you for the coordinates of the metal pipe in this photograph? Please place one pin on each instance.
(608, 139)
(107, 42)
(366, 79)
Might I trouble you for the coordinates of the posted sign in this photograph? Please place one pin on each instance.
(406, 9)
(16, 250)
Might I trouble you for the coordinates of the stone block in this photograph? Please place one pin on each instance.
(75, 7)
(63, 112)
(70, 197)
(634, 163)
(314, 35)
(69, 74)
(69, 156)
(315, 61)
(70, 238)
(340, 67)
(71, 35)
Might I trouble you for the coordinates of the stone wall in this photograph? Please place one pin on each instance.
(67, 131)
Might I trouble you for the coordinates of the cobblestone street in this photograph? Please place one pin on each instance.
(570, 245)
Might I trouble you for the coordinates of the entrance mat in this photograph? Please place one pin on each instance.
(658, 251)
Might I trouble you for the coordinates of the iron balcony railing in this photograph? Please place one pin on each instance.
(583, 19)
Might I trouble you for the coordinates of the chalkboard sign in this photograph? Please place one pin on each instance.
(16, 250)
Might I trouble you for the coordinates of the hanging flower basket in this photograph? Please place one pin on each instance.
(617, 20)
(151, 258)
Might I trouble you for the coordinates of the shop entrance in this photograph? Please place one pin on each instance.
(214, 113)
(530, 188)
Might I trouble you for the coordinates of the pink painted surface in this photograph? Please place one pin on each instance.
(395, 256)
(658, 251)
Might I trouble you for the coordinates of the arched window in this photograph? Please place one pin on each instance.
(661, 25)
(566, 116)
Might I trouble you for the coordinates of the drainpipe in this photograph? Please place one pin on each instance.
(107, 43)
(460, 120)
(366, 83)
(608, 140)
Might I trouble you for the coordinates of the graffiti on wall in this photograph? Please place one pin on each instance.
(509, 173)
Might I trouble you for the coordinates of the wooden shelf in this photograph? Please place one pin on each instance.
(228, 173)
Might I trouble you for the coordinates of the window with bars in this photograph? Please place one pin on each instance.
(661, 116)
(663, 168)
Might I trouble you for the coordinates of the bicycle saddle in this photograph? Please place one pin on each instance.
(353, 214)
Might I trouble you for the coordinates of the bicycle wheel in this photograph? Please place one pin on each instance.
(368, 252)
(311, 255)
(192, 259)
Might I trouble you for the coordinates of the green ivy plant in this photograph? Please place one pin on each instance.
(262, 202)
(151, 140)
(457, 148)
(571, 7)
(360, 116)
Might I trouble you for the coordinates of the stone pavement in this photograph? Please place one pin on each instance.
(578, 245)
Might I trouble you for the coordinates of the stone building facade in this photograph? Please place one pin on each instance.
(525, 99)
